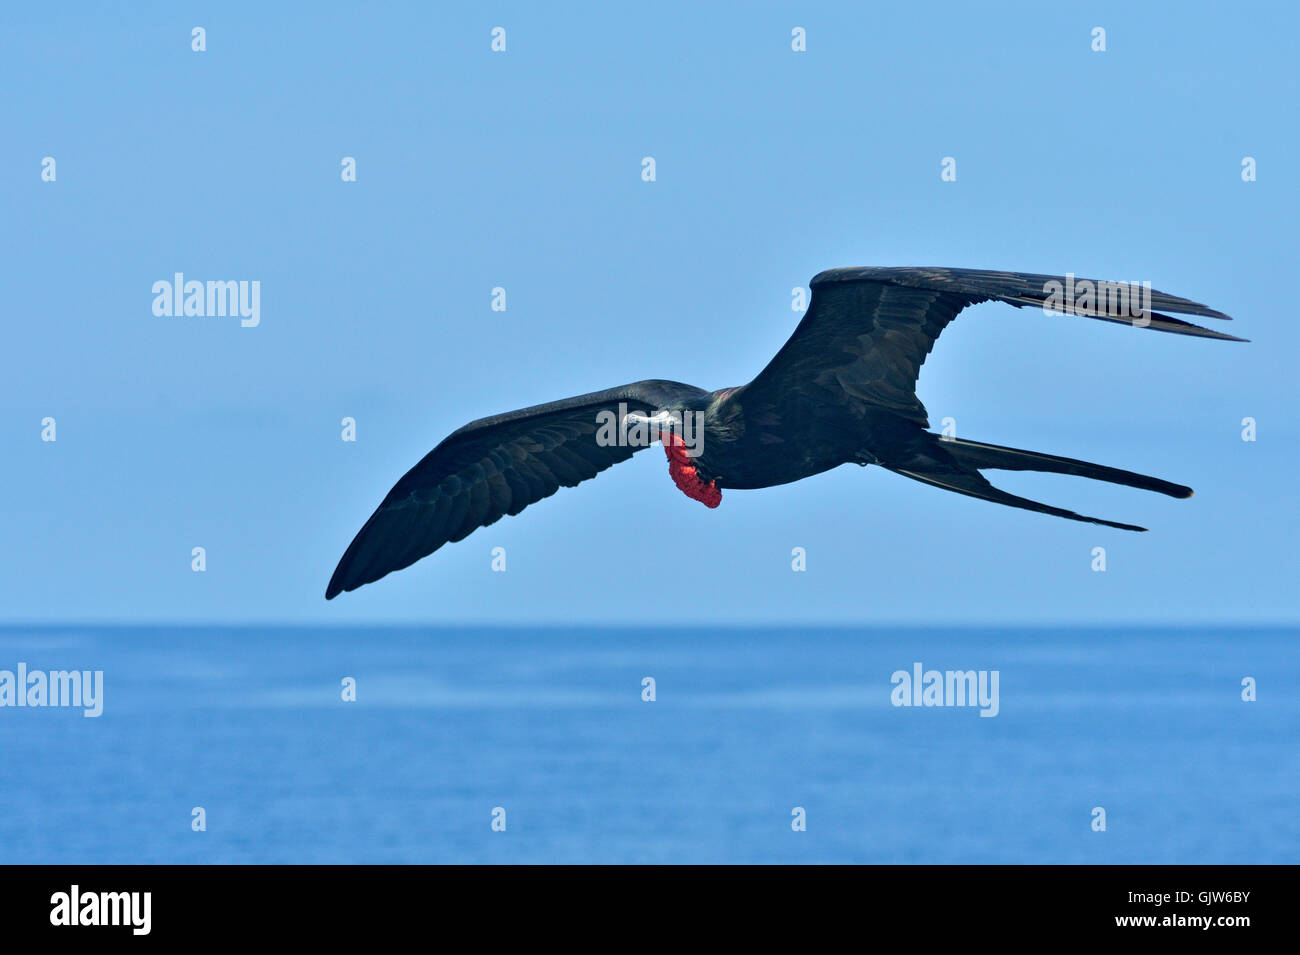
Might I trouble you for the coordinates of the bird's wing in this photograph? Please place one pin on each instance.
(492, 467)
(868, 330)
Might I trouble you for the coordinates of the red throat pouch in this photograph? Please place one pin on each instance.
(685, 475)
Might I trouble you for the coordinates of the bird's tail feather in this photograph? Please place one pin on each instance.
(973, 484)
(976, 454)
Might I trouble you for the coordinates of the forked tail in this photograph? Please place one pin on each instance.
(977, 454)
(954, 465)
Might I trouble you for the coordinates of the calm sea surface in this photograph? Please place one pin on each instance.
(748, 724)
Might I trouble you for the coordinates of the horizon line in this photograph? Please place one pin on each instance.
(1138, 624)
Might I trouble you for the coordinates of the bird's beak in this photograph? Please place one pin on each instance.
(661, 423)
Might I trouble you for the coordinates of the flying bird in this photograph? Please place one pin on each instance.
(841, 390)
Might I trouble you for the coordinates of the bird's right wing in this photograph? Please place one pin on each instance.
(867, 331)
(493, 467)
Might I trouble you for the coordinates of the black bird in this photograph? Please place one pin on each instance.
(841, 390)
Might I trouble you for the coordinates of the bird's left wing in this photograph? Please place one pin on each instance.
(867, 331)
(492, 467)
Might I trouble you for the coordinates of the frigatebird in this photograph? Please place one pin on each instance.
(841, 390)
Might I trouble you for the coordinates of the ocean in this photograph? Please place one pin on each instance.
(760, 745)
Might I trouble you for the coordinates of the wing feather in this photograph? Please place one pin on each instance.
(490, 468)
(867, 331)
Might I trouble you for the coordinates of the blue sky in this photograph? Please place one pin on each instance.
(522, 170)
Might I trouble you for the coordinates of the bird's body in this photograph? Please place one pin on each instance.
(751, 445)
(841, 390)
